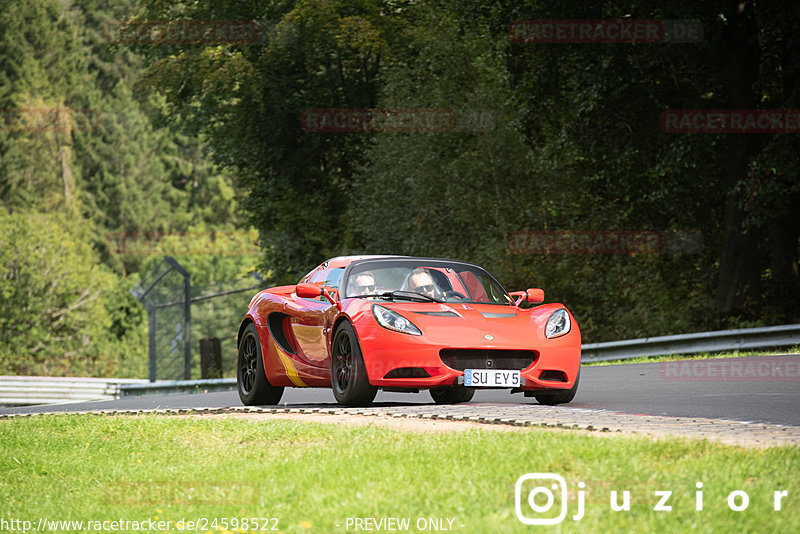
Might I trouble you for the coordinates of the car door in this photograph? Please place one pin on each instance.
(311, 327)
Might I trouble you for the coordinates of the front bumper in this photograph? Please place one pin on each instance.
(399, 360)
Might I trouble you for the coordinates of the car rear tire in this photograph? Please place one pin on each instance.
(561, 396)
(349, 379)
(451, 395)
(251, 380)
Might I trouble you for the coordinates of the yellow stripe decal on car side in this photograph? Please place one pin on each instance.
(288, 366)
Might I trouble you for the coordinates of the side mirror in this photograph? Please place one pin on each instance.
(533, 295)
(308, 291)
(312, 291)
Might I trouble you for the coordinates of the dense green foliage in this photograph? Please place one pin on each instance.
(44, 257)
(569, 139)
(73, 190)
(547, 137)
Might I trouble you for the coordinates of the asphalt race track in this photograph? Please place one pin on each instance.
(763, 389)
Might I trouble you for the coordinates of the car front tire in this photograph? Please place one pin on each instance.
(451, 395)
(562, 396)
(254, 388)
(349, 379)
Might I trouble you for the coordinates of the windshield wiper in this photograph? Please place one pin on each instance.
(413, 295)
(398, 294)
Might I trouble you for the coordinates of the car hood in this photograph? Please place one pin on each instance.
(477, 325)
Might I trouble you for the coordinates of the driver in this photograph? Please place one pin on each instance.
(420, 281)
(364, 283)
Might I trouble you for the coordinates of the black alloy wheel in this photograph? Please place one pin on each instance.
(251, 380)
(349, 379)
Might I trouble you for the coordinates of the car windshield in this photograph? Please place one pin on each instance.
(434, 280)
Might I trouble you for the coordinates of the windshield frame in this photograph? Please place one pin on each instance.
(411, 261)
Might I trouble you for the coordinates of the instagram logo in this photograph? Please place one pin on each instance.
(546, 495)
(541, 498)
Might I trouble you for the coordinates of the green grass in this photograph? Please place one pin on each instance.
(698, 356)
(312, 477)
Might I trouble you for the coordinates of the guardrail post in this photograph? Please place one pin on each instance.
(187, 323)
(211, 358)
(151, 319)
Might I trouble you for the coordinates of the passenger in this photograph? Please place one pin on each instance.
(364, 284)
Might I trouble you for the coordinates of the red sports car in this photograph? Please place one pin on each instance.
(357, 324)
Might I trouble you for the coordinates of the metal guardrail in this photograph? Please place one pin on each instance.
(31, 390)
(173, 387)
(720, 340)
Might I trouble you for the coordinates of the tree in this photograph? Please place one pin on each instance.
(53, 319)
(40, 69)
(763, 191)
(248, 100)
(90, 161)
(604, 101)
(577, 145)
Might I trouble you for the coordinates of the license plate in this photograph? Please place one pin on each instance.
(493, 378)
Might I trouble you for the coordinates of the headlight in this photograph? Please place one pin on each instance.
(394, 321)
(558, 324)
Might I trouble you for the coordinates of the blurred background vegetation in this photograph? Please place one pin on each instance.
(207, 138)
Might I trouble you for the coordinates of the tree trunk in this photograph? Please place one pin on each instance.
(739, 284)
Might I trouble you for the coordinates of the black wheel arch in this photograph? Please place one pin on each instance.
(242, 327)
(336, 324)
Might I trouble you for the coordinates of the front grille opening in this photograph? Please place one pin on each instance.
(553, 376)
(461, 359)
(408, 372)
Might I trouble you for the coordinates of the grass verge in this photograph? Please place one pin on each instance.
(321, 478)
